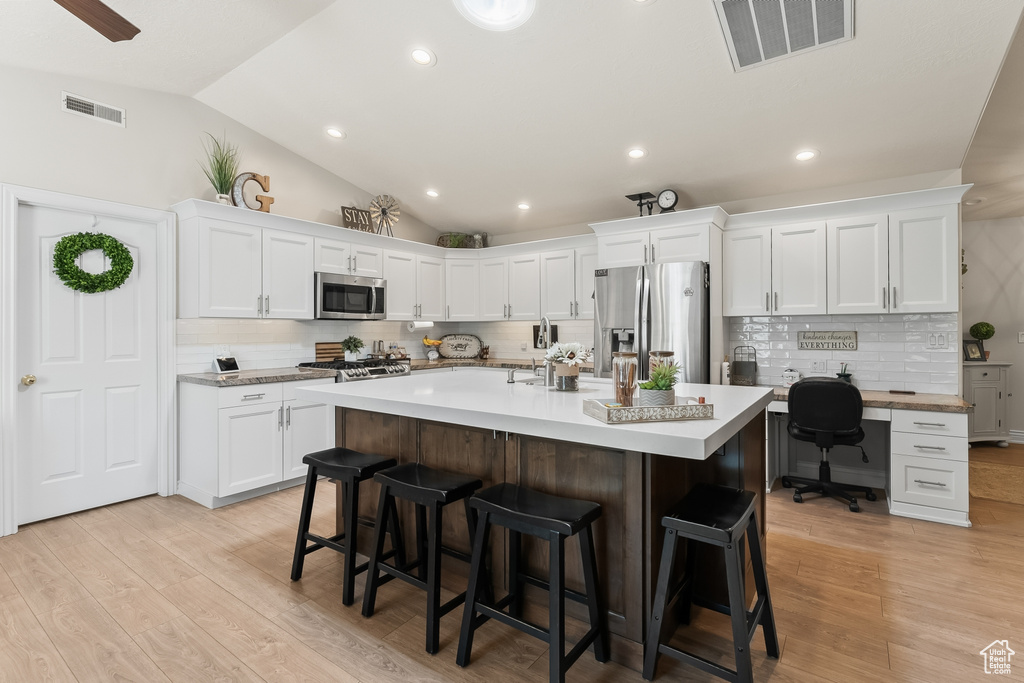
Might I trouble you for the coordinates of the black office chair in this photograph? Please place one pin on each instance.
(826, 411)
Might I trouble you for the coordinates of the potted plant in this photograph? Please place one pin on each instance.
(843, 374)
(982, 331)
(221, 166)
(352, 346)
(659, 390)
(567, 358)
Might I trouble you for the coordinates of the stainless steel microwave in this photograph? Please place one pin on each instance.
(350, 297)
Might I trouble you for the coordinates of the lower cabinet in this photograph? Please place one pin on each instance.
(234, 442)
(928, 466)
(987, 388)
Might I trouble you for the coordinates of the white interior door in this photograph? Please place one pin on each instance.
(87, 429)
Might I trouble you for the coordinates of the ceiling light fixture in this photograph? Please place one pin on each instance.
(335, 133)
(503, 15)
(432, 193)
(806, 154)
(637, 153)
(524, 206)
(423, 56)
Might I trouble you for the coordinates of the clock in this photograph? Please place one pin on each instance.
(667, 200)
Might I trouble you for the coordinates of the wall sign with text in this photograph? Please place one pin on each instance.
(356, 219)
(826, 341)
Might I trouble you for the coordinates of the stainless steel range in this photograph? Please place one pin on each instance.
(369, 368)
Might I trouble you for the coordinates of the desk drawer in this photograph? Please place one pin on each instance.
(927, 422)
(246, 394)
(929, 446)
(929, 481)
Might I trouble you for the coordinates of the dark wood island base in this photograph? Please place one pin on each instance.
(634, 489)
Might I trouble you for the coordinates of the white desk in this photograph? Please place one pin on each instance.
(925, 443)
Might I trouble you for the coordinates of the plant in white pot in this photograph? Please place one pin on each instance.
(567, 357)
(659, 390)
(221, 166)
(352, 346)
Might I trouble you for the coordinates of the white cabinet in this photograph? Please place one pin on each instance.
(235, 442)
(900, 262)
(986, 387)
(928, 466)
(747, 271)
(690, 243)
(494, 288)
(567, 283)
(344, 258)
(509, 288)
(415, 286)
(462, 280)
(232, 270)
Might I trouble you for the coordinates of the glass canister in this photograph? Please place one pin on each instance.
(661, 358)
(624, 376)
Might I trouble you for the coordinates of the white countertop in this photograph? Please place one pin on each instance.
(482, 398)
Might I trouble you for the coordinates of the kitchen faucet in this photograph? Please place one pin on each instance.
(545, 339)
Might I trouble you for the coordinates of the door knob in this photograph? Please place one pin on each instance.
(28, 380)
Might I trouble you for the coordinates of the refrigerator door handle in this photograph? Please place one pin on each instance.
(643, 287)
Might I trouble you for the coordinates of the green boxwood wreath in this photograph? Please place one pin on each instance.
(70, 247)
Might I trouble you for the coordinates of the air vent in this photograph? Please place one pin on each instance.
(761, 31)
(73, 104)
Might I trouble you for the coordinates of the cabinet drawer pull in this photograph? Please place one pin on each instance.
(250, 397)
(930, 483)
(930, 424)
(931, 448)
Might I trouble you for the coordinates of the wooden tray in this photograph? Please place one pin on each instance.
(597, 409)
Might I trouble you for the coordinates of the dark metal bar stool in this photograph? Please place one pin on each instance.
(552, 518)
(719, 516)
(430, 490)
(350, 468)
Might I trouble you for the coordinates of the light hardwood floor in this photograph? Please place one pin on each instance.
(159, 589)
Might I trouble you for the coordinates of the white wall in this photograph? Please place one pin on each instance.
(993, 291)
(152, 162)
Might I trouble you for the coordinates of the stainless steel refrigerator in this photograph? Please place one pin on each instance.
(660, 307)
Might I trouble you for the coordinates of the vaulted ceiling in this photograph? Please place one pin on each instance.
(544, 114)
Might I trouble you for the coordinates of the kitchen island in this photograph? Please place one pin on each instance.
(474, 422)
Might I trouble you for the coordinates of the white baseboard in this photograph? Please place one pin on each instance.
(858, 476)
(929, 514)
(211, 501)
(1016, 436)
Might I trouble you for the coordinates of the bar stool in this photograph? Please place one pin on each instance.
(431, 490)
(719, 516)
(350, 468)
(551, 518)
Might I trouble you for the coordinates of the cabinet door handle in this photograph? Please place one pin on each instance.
(266, 305)
(652, 253)
(510, 311)
(419, 309)
(767, 302)
(930, 424)
(280, 418)
(894, 298)
(885, 298)
(645, 253)
(251, 397)
(504, 311)
(776, 301)
(449, 316)
(259, 306)
(930, 483)
(577, 309)
(350, 264)
(930, 448)
(288, 416)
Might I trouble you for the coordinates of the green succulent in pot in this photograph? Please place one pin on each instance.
(981, 331)
(663, 377)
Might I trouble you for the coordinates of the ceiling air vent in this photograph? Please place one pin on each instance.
(73, 104)
(760, 31)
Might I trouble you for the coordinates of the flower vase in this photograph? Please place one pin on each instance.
(567, 377)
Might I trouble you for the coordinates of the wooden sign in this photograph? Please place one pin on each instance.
(356, 219)
(826, 341)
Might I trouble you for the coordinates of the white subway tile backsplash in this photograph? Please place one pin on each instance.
(893, 351)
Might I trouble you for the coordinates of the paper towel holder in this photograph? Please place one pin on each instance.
(416, 325)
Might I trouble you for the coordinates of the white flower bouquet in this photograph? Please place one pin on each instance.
(568, 353)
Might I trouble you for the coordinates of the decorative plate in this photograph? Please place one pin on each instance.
(459, 346)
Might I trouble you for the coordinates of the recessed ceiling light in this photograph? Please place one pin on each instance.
(424, 57)
(496, 16)
(524, 206)
(637, 153)
(806, 154)
(974, 200)
(644, 2)
(336, 133)
(431, 193)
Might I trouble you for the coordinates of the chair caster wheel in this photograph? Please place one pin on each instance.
(797, 498)
(870, 495)
(854, 507)
(786, 483)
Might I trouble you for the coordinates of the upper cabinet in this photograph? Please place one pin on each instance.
(415, 286)
(775, 270)
(344, 258)
(900, 262)
(232, 270)
(508, 288)
(691, 243)
(567, 283)
(462, 280)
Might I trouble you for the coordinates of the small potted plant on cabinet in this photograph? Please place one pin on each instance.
(982, 331)
(659, 390)
(221, 167)
(352, 346)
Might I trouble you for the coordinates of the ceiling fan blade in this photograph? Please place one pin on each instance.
(105, 20)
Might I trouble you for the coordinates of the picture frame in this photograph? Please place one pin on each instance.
(974, 350)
